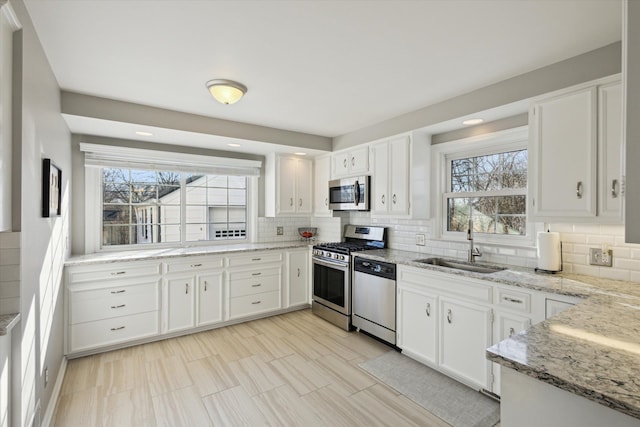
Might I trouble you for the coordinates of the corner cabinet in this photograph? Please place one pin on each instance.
(288, 186)
(575, 153)
(350, 162)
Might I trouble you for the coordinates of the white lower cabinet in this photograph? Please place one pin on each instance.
(298, 288)
(465, 334)
(506, 325)
(180, 303)
(417, 332)
(209, 298)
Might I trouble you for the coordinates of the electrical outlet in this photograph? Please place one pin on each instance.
(599, 257)
(279, 231)
(46, 376)
(420, 239)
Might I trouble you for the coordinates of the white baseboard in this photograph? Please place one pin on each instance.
(51, 407)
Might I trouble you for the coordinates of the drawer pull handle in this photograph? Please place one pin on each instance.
(449, 316)
(394, 199)
(196, 265)
(514, 300)
(512, 332)
(300, 202)
(118, 306)
(579, 190)
(256, 302)
(118, 328)
(326, 201)
(428, 310)
(298, 272)
(256, 274)
(614, 186)
(119, 291)
(382, 199)
(186, 288)
(291, 201)
(353, 161)
(205, 286)
(256, 259)
(344, 162)
(117, 273)
(257, 285)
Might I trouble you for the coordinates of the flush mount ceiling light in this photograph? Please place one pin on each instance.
(472, 122)
(226, 91)
(233, 145)
(143, 133)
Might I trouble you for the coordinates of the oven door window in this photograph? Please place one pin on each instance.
(329, 284)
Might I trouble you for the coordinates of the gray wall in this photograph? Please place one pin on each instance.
(589, 66)
(632, 196)
(42, 133)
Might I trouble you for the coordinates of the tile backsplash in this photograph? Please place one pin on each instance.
(9, 272)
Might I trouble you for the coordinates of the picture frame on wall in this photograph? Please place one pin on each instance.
(51, 189)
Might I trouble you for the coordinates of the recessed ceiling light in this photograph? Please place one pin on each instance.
(300, 154)
(234, 145)
(141, 133)
(472, 122)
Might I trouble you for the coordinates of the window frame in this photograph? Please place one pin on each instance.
(497, 142)
(94, 206)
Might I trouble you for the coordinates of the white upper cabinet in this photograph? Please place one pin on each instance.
(322, 172)
(575, 153)
(288, 186)
(390, 181)
(350, 162)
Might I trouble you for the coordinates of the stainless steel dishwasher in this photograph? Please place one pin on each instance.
(374, 298)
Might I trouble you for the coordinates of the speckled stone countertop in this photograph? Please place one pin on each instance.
(150, 254)
(591, 349)
(7, 322)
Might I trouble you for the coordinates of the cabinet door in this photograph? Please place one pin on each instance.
(322, 171)
(209, 298)
(399, 176)
(380, 179)
(340, 164)
(298, 278)
(564, 147)
(610, 150)
(287, 184)
(359, 161)
(304, 188)
(180, 303)
(507, 325)
(465, 333)
(417, 325)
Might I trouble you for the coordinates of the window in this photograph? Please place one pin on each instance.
(489, 190)
(151, 207)
(483, 179)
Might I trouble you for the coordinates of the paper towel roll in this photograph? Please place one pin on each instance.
(549, 252)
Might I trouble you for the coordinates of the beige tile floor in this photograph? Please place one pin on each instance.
(293, 369)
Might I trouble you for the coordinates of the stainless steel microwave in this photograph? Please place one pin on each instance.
(350, 194)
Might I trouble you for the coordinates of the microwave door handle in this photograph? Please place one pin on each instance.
(356, 193)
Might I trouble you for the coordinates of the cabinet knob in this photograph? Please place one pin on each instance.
(344, 163)
(298, 272)
(449, 315)
(353, 161)
(428, 310)
(614, 188)
(326, 201)
(394, 199)
(579, 190)
(382, 199)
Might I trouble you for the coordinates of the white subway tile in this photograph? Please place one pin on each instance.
(10, 240)
(9, 256)
(628, 264)
(593, 239)
(587, 270)
(9, 273)
(10, 289)
(9, 305)
(615, 274)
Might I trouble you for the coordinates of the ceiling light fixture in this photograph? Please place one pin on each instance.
(233, 145)
(300, 153)
(472, 122)
(226, 91)
(142, 133)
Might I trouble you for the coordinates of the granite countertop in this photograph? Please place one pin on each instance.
(151, 254)
(7, 322)
(591, 349)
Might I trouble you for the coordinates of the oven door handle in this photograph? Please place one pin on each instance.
(356, 193)
(340, 265)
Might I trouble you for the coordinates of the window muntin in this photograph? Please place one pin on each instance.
(156, 207)
(490, 190)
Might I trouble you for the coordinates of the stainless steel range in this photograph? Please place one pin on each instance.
(332, 272)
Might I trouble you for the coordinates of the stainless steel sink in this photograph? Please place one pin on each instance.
(460, 265)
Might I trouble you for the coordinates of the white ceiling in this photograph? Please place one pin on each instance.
(319, 67)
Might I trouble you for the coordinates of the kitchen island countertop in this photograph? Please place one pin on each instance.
(591, 349)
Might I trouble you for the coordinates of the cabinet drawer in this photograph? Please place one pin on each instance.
(84, 336)
(452, 284)
(100, 304)
(254, 304)
(255, 258)
(254, 273)
(138, 289)
(514, 300)
(113, 271)
(254, 285)
(194, 264)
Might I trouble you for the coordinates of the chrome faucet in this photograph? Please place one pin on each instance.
(473, 252)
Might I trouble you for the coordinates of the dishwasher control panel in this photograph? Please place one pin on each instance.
(375, 268)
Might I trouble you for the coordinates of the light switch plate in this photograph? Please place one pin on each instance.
(420, 239)
(279, 231)
(599, 257)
